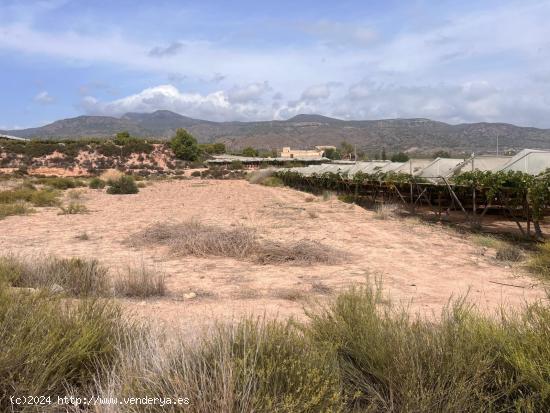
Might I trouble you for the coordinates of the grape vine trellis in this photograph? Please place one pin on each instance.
(511, 191)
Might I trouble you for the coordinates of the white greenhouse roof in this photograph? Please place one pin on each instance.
(531, 161)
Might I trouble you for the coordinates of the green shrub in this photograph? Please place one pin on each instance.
(62, 183)
(539, 263)
(236, 164)
(272, 181)
(347, 198)
(13, 195)
(49, 347)
(123, 185)
(44, 198)
(109, 150)
(390, 360)
(37, 198)
(13, 209)
(96, 183)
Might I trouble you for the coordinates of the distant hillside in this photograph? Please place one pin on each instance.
(305, 131)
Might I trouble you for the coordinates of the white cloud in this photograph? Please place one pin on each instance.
(43, 98)
(486, 65)
(316, 92)
(251, 92)
(213, 106)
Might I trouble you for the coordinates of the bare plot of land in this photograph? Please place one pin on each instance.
(418, 263)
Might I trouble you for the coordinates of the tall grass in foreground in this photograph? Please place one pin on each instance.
(357, 354)
(251, 367)
(391, 361)
(48, 347)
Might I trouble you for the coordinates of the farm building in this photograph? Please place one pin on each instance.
(318, 152)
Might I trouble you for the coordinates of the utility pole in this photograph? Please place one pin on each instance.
(497, 144)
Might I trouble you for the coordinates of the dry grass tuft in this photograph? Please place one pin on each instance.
(313, 214)
(246, 293)
(310, 198)
(509, 253)
(140, 282)
(303, 252)
(320, 288)
(194, 238)
(83, 236)
(288, 294)
(200, 240)
(75, 195)
(74, 276)
(385, 211)
(73, 208)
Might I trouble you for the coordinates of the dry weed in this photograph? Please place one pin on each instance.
(303, 252)
(194, 238)
(385, 211)
(200, 240)
(140, 281)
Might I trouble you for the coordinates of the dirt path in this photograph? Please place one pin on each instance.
(418, 263)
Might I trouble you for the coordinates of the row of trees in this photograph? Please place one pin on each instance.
(186, 147)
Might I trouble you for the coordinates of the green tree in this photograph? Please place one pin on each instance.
(346, 149)
(219, 148)
(400, 157)
(185, 146)
(250, 151)
(122, 138)
(212, 148)
(333, 154)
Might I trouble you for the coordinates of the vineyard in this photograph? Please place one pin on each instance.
(515, 195)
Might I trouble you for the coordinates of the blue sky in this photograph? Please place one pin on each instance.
(454, 61)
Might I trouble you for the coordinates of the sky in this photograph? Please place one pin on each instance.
(452, 61)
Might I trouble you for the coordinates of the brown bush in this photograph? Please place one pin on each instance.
(195, 238)
(300, 252)
(140, 282)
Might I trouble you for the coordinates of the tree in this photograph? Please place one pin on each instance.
(346, 150)
(333, 154)
(122, 138)
(250, 151)
(185, 146)
(213, 148)
(219, 148)
(383, 156)
(400, 157)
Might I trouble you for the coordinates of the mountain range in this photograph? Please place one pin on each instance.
(305, 131)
